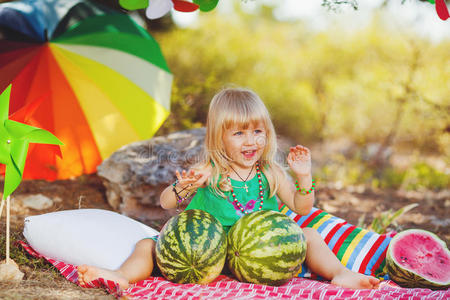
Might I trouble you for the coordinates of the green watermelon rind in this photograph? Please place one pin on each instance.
(178, 261)
(262, 270)
(406, 277)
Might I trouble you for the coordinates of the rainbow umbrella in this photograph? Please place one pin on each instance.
(86, 73)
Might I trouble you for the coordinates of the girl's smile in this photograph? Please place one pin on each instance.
(245, 145)
(249, 154)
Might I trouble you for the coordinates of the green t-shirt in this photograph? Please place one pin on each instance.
(224, 209)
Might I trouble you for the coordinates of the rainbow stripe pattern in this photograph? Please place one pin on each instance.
(88, 74)
(358, 249)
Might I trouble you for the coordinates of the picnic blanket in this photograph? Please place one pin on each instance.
(227, 288)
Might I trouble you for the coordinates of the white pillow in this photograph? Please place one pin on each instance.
(94, 237)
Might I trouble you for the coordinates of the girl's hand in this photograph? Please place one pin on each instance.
(299, 160)
(192, 179)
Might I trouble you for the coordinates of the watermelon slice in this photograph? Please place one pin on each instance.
(418, 258)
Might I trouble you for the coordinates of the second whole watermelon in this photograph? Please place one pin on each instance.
(191, 248)
(265, 247)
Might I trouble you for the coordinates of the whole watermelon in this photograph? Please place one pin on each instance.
(191, 248)
(418, 258)
(265, 247)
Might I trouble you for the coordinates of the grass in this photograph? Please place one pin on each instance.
(387, 218)
(18, 254)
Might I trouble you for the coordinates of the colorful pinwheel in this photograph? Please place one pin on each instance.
(157, 8)
(14, 140)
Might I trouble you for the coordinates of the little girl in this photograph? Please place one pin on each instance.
(239, 175)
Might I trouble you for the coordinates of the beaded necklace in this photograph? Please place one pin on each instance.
(261, 193)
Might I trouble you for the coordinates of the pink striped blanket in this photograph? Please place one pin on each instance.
(227, 288)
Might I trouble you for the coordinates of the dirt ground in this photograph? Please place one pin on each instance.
(87, 191)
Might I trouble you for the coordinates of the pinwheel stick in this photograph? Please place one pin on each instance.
(1, 207)
(7, 229)
(7, 223)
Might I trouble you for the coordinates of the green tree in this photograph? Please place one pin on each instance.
(371, 86)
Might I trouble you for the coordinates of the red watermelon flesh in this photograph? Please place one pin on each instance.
(421, 253)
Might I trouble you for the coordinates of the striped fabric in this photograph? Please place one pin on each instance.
(226, 288)
(358, 249)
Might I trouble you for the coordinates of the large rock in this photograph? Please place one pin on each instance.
(136, 174)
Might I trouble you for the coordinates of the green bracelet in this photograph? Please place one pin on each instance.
(305, 191)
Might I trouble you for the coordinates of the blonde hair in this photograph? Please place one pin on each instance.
(238, 107)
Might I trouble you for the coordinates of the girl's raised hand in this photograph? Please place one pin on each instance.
(299, 160)
(192, 179)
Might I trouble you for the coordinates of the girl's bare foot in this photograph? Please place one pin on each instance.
(353, 280)
(87, 274)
